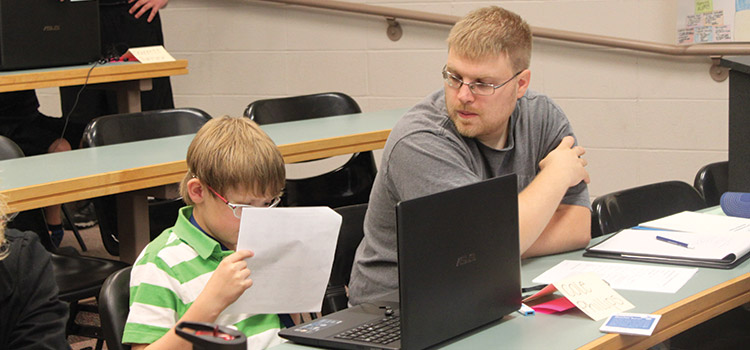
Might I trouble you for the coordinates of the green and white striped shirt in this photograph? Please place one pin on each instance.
(169, 275)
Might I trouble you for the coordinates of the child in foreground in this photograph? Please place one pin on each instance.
(191, 272)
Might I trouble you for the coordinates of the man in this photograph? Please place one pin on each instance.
(483, 124)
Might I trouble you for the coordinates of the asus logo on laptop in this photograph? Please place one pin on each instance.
(466, 259)
(51, 28)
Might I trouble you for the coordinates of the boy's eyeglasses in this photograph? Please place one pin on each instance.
(237, 208)
(483, 89)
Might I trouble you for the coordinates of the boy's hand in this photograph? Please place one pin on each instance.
(229, 280)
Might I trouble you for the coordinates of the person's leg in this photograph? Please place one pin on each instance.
(121, 31)
(53, 213)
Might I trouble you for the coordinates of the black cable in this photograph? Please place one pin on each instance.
(78, 96)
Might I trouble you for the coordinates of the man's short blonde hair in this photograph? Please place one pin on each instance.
(492, 31)
(234, 154)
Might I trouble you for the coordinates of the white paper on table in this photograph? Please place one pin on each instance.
(707, 245)
(148, 54)
(589, 293)
(623, 276)
(294, 250)
(688, 221)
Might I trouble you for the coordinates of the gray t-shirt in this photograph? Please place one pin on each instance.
(425, 154)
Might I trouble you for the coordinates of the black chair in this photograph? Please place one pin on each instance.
(349, 184)
(712, 181)
(622, 209)
(129, 127)
(596, 230)
(350, 234)
(114, 305)
(77, 277)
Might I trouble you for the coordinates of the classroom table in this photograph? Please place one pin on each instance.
(709, 293)
(135, 167)
(128, 79)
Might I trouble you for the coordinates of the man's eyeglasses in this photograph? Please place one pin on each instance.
(483, 89)
(237, 208)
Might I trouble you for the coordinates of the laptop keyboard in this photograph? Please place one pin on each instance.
(383, 331)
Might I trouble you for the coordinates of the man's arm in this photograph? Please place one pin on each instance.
(545, 225)
(569, 229)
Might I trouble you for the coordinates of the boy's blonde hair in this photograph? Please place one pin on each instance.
(234, 154)
(492, 31)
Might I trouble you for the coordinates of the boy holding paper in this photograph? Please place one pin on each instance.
(191, 271)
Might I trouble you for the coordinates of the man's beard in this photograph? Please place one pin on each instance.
(464, 129)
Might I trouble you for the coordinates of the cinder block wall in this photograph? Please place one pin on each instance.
(642, 117)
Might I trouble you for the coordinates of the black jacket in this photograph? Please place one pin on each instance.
(31, 315)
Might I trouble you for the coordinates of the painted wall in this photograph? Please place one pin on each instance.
(642, 117)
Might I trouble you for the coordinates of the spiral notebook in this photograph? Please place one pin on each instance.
(686, 238)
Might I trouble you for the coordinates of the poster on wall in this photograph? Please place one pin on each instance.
(712, 21)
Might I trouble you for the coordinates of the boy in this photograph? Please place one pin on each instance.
(190, 272)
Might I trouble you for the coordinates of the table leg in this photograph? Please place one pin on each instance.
(132, 207)
(129, 94)
(132, 224)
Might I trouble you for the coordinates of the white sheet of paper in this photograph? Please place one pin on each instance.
(707, 245)
(588, 292)
(294, 250)
(689, 221)
(149, 54)
(623, 276)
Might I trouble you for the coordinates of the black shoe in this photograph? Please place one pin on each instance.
(85, 216)
(56, 235)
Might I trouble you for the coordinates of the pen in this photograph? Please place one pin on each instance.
(675, 242)
(533, 288)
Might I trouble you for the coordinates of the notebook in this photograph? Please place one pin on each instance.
(44, 33)
(685, 238)
(459, 269)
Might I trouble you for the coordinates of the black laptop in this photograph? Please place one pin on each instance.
(48, 33)
(459, 269)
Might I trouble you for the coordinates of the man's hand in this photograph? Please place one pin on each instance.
(565, 160)
(141, 6)
(229, 281)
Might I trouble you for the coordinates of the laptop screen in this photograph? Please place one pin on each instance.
(459, 260)
(44, 33)
(459, 269)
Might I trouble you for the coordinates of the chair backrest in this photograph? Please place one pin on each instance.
(277, 110)
(712, 181)
(596, 230)
(138, 126)
(627, 208)
(350, 234)
(114, 304)
(349, 184)
(9, 149)
(345, 185)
